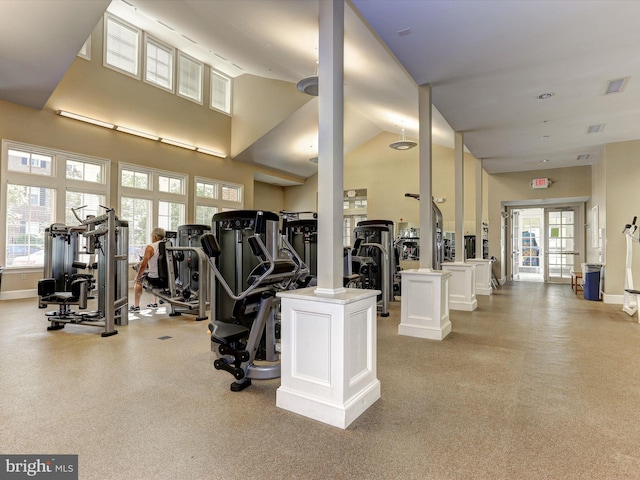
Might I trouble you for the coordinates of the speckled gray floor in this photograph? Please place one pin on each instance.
(535, 384)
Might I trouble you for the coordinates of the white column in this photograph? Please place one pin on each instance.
(329, 357)
(483, 266)
(459, 194)
(462, 289)
(424, 308)
(479, 209)
(330, 147)
(426, 190)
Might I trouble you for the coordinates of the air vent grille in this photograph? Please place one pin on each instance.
(595, 128)
(616, 86)
(584, 156)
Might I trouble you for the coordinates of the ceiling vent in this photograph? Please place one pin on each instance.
(616, 86)
(595, 128)
(584, 156)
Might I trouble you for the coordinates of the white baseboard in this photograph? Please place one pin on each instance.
(18, 294)
(613, 299)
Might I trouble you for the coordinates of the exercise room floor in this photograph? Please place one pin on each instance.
(537, 383)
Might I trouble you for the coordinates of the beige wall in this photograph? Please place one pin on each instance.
(505, 187)
(268, 197)
(302, 198)
(259, 104)
(388, 174)
(622, 201)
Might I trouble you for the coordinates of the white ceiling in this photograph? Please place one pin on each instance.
(487, 62)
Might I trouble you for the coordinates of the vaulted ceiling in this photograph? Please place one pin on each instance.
(488, 62)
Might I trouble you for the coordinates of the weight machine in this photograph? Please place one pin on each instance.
(106, 237)
(184, 271)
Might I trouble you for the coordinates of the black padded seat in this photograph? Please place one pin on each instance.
(225, 333)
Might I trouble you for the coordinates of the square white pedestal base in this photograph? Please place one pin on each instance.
(483, 275)
(328, 358)
(425, 304)
(462, 294)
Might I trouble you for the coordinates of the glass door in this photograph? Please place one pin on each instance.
(515, 244)
(564, 243)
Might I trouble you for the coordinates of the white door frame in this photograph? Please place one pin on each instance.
(506, 207)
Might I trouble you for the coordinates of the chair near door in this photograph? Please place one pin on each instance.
(577, 283)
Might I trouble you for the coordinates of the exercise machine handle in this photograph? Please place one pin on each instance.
(259, 222)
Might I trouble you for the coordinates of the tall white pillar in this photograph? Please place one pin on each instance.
(479, 209)
(426, 190)
(330, 147)
(459, 194)
(328, 359)
(424, 309)
(462, 294)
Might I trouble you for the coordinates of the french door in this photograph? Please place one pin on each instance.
(564, 242)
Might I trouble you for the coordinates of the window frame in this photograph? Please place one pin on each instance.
(85, 51)
(153, 193)
(172, 67)
(216, 201)
(228, 92)
(57, 182)
(105, 45)
(183, 56)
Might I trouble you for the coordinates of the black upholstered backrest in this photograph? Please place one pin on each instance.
(163, 271)
(210, 245)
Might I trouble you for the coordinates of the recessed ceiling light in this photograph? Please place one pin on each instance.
(313, 159)
(543, 137)
(544, 96)
(544, 161)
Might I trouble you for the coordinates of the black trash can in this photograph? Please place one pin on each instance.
(592, 281)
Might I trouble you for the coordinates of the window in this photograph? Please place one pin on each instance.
(121, 46)
(158, 64)
(354, 205)
(190, 77)
(213, 196)
(220, 92)
(150, 198)
(41, 187)
(85, 51)
(85, 171)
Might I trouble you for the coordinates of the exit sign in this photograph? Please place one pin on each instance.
(540, 183)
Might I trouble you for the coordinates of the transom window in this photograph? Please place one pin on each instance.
(190, 77)
(220, 92)
(121, 46)
(213, 196)
(158, 63)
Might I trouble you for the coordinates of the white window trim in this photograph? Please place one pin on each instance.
(57, 182)
(87, 55)
(181, 55)
(217, 201)
(153, 193)
(109, 16)
(149, 38)
(215, 72)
